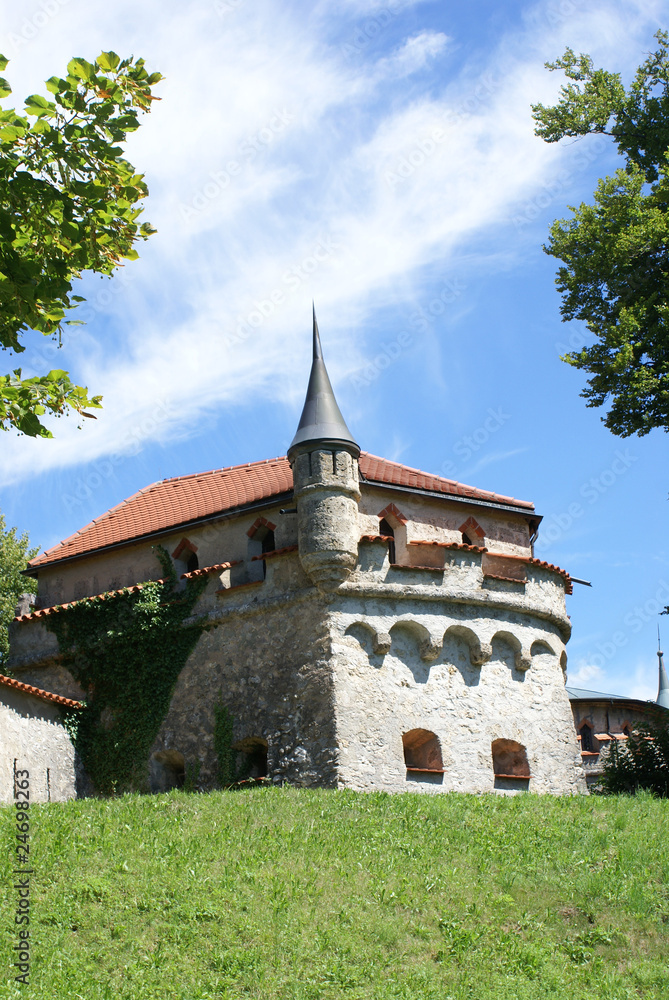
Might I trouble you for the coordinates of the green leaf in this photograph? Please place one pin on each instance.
(108, 61)
(3, 62)
(5, 89)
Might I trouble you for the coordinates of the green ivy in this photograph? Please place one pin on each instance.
(126, 650)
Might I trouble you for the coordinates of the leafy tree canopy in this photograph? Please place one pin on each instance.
(68, 204)
(615, 276)
(15, 552)
(641, 762)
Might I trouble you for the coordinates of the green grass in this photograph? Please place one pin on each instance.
(295, 894)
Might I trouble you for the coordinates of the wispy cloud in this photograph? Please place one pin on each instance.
(279, 171)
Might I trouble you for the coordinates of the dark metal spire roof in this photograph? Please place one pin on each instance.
(321, 421)
(663, 690)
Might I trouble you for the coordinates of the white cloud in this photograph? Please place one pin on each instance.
(277, 168)
(584, 674)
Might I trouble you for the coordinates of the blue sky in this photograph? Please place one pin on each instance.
(379, 157)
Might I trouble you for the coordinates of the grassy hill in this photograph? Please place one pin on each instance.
(296, 894)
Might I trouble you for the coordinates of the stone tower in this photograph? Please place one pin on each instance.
(324, 460)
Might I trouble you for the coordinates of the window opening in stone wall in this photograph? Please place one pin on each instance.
(192, 563)
(586, 738)
(422, 751)
(385, 528)
(254, 764)
(509, 759)
(466, 540)
(260, 543)
(627, 730)
(166, 770)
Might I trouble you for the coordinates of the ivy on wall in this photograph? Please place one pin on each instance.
(126, 650)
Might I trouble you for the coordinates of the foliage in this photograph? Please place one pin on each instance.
(68, 204)
(230, 773)
(614, 251)
(640, 762)
(126, 650)
(300, 894)
(14, 554)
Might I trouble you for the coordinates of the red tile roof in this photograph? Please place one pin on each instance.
(173, 503)
(41, 612)
(39, 693)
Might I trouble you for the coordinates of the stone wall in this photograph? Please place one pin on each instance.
(460, 673)
(266, 658)
(33, 735)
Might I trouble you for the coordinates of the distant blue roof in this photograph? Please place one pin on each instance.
(581, 694)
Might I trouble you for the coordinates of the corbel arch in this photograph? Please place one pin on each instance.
(540, 646)
(479, 652)
(378, 640)
(522, 656)
(429, 646)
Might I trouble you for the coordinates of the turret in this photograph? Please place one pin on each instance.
(663, 690)
(324, 459)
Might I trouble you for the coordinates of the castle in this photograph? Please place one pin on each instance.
(368, 625)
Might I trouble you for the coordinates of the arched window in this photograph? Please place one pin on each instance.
(422, 751)
(261, 541)
(509, 759)
(586, 738)
(627, 729)
(385, 528)
(185, 557)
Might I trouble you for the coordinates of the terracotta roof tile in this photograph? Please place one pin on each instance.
(173, 503)
(58, 699)
(41, 612)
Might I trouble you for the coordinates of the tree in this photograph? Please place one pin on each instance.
(641, 761)
(15, 552)
(68, 204)
(615, 251)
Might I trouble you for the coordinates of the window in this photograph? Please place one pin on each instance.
(509, 759)
(466, 540)
(422, 751)
(385, 528)
(254, 762)
(586, 738)
(261, 541)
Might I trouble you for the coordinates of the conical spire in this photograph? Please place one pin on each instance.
(321, 421)
(663, 690)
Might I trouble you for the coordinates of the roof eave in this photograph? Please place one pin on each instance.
(163, 532)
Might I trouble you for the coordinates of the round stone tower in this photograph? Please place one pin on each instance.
(324, 460)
